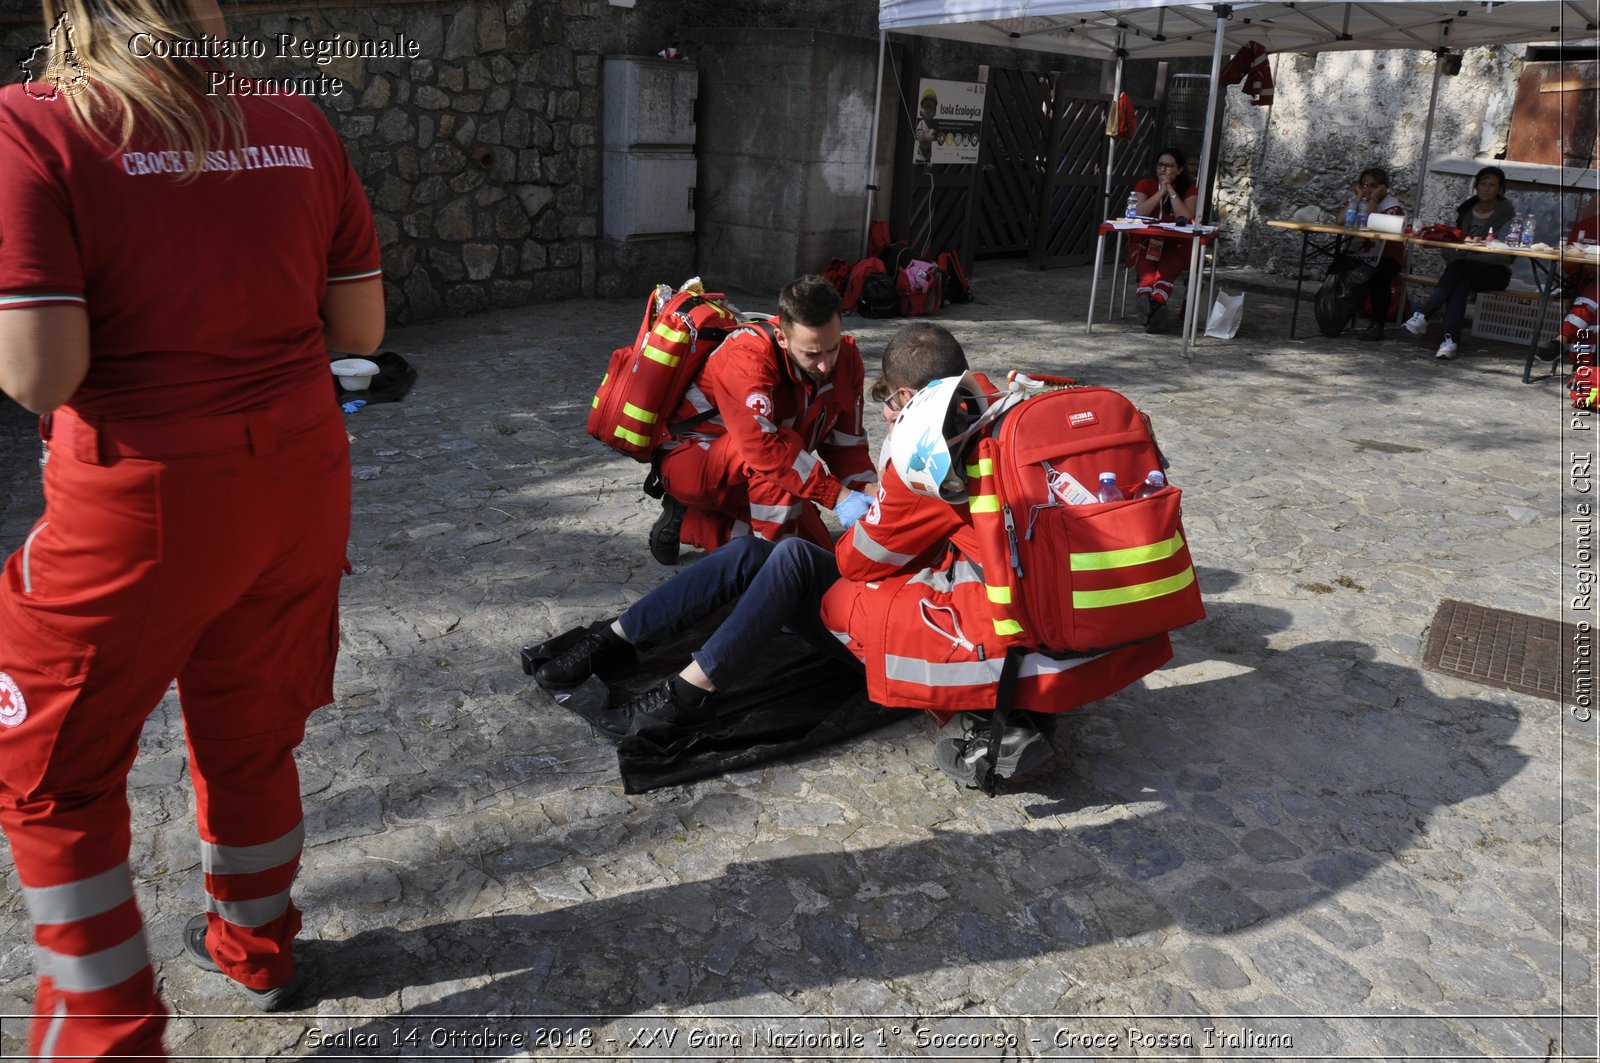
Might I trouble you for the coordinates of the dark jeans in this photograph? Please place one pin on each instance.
(1378, 290)
(777, 585)
(1460, 279)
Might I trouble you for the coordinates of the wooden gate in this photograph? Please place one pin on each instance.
(1039, 186)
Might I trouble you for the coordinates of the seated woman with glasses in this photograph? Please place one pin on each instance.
(1384, 256)
(1158, 262)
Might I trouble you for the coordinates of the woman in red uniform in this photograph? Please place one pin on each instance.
(1159, 261)
(174, 268)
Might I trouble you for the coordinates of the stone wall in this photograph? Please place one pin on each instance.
(481, 154)
(1338, 112)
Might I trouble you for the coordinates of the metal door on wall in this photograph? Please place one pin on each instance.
(1037, 190)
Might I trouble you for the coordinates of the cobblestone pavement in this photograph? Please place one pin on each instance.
(1290, 843)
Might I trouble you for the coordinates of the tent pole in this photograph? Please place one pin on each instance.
(1111, 136)
(1192, 298)
(1427, 141)
(872, 159)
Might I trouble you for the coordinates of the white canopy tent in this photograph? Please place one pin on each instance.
(1148, 29)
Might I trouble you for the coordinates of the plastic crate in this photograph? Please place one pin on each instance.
(1509, 317)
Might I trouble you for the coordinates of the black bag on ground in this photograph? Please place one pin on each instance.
(1342, 293)
(879, 298)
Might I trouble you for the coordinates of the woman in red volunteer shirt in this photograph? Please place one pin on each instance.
(174, 268)
(1158, 261)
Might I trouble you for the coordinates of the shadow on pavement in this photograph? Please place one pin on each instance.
(1334, 777)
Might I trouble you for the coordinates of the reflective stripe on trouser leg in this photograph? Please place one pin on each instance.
(81, 975)
(232, 871)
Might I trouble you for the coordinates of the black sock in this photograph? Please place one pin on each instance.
(686, 692)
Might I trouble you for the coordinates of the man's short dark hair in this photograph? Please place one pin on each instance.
(920, 352)
(809, 301)
(1377, 173)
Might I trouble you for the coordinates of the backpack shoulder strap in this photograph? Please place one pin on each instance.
(689, 424)
(1005, 700)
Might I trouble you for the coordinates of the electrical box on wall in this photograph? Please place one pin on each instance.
(648, 195)
(647, 145)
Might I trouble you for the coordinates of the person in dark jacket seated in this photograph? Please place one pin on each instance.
(1469, 271)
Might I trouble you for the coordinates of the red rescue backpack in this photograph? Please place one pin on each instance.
(850, 298)
(954, 278)
(1068, 573)
(919, 289)
(645, 381)
(877, 238)
(1065, 572)
(836, 273)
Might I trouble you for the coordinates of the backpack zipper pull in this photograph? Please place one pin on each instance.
(1011, 540)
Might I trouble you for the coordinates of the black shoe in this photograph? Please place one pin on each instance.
(656, 714)
(1145, 306)
(598, 649)
(664, 532)
(961, 753)
(194, 946)
(1158, 312)
(1373, 333)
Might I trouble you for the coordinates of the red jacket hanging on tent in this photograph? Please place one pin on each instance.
(1251, 66)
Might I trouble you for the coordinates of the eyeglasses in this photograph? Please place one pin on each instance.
(1167, 166)
(890, 396)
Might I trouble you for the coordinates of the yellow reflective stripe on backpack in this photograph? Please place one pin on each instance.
(998, 595)
(1138, 592)
(984, 467)
(633, 437)
(984, 504)
(1007, 627)
(1101, 560)
(655, 355)
(644, 416)
(670, 334)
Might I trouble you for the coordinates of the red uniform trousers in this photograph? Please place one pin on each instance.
(1157, 275)
(1583, 314)
(725, 498)
(209, 551)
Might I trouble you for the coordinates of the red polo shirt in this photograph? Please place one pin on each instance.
(202, 295)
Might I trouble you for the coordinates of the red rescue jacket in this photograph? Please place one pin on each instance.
(806, 437)
(912, 606)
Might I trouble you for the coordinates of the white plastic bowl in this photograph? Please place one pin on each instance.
(354, 374)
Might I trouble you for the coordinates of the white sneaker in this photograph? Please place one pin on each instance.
(1447, 349)
(1416, 324)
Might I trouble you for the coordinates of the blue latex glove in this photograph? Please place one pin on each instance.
(852, 506)
(353, 405)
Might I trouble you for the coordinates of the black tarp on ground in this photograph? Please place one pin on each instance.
(799, 702)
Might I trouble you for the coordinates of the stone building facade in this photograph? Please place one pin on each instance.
(481, 154)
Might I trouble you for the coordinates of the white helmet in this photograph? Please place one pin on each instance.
(928, 442)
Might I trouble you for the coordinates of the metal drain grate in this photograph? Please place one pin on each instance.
(1512, 651)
